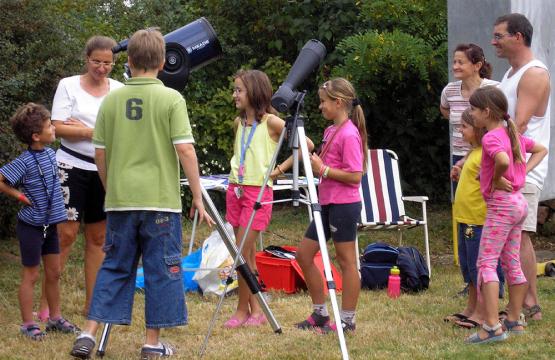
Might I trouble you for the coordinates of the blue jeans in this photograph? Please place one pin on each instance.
(469, 246)
(156, 236)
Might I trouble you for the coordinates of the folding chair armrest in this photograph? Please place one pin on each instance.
(419, 199)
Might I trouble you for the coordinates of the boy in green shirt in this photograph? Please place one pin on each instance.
(142, 133)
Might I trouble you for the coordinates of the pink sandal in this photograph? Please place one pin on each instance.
(234, 322)
(256, 320)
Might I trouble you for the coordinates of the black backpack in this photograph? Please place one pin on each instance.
(414, 272)
(375, 264)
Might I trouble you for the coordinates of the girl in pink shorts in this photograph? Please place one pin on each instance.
(502, 175)
(257, 131)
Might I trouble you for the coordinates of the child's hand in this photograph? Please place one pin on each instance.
(316, 163)
(202, 214)
(455, 173)
(21, 197)
(274, 174)
(502, 184)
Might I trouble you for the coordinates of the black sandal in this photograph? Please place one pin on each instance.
(529, 312)
(455, 317)
(467, 323)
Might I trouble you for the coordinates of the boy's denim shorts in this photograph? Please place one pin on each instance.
(156, 237)
(469, 246)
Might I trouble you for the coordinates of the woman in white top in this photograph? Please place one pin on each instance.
(472, 71)
(74, 111)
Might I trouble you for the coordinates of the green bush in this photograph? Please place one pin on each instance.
(35, 52)
(399, 80)
(399, 76)
(398, 68)
(426, 19)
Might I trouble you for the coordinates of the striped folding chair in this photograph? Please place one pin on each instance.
(383, 202)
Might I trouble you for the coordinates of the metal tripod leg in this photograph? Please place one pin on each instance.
(103, 343)
(241, 266)
(297, 133)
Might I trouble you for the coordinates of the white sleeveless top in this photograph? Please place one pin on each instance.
(538, 126)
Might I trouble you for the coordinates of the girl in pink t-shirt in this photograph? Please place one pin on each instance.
(340, 165)
(502, 175)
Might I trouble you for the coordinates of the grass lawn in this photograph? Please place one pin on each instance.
(410, 327)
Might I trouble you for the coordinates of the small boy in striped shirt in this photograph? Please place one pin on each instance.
(32, 178)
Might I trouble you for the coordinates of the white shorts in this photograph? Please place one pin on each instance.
(531, 193)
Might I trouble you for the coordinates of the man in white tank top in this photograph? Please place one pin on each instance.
(526, 85)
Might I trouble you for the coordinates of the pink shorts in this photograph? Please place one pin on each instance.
(239, 210)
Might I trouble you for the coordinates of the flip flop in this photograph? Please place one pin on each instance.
(530, 312)
(455, 317)
(234, 322)
(467, 323)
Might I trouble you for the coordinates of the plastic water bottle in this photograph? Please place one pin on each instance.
(394, 283)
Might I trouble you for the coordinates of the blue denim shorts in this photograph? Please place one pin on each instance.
(469, 246)
(156, 237)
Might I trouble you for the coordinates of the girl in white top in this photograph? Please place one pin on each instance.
(472, 71)
(74, 111)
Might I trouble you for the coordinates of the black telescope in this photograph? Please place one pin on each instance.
(310, 57)
(188, 48)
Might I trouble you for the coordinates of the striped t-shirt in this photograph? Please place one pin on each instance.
(452, 99)
(23, 172)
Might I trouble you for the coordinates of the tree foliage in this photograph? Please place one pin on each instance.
(396, 76)
(394, 51)
(35, 52)
(398, 69)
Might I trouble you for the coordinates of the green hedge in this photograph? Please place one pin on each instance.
(399, 80)
(394, 51)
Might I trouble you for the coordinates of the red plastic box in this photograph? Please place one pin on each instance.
(277, 273)
(286, 275)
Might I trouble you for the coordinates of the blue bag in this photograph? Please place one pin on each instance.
(187, 262)
(376, 263)
(414, 272)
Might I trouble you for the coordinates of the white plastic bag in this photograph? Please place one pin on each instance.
(216, 256)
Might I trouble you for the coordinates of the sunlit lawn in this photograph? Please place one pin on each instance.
(410, 327)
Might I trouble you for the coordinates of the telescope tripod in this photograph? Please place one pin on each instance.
(295, 125)
(239, 264)
(295, 129)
